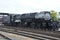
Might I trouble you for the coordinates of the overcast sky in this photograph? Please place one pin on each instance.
(26, 6)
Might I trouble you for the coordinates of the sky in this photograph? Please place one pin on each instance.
(27, 6)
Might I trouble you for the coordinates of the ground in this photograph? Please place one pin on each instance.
(16, 37)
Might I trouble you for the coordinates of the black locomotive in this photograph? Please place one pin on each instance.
(35, 20)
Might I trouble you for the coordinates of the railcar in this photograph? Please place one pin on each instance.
(8, 19)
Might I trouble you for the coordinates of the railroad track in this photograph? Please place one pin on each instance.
(2, 37)
(29, 34)
(50, 33)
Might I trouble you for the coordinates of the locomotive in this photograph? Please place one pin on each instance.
(35, 20)
(40, 20)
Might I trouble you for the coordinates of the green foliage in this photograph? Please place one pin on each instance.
(54, 15)
(58, 19)
(59, 13)
(58, 16)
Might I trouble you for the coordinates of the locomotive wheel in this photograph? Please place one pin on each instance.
(5, 24)
(38, 25)
(32, 25)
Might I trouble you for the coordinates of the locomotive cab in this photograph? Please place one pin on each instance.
(17, 19)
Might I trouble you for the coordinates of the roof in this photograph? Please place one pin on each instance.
(4, 13)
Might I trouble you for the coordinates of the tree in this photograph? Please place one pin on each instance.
(59, 16)
(59, 13)
(54, 15)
